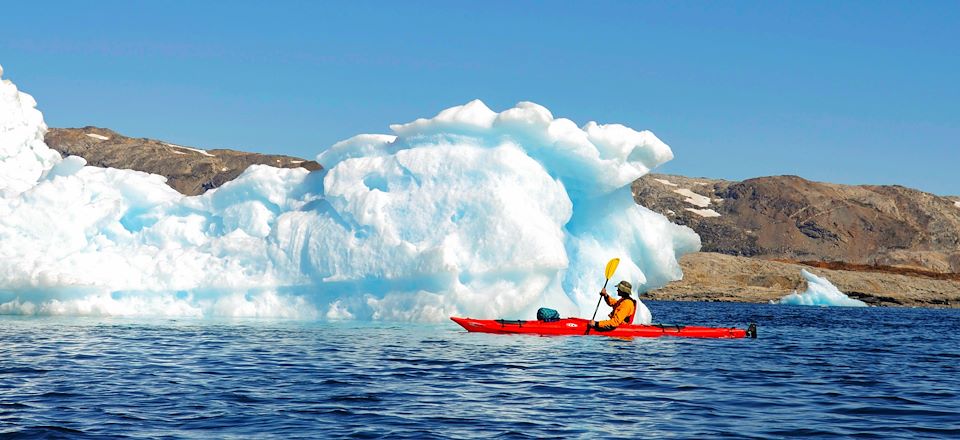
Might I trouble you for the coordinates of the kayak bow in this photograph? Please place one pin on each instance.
(577, 326)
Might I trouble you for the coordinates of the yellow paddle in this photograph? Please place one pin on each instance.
(608, 273)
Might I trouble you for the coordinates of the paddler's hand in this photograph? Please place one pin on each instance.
(592, 324)
(604, 293)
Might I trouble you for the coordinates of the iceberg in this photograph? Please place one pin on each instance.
(820, 292)
(470, 212)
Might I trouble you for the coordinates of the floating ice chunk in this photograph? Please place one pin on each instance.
(338, 312)
(266, 304)
(820, 292)
(470, 212)
(106, 304)
(693, 198)
(69, 166)
(471, 117)
(363, 145)
(23, 155)
(98, 136)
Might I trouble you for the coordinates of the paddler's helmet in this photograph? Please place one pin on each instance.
(624, 288)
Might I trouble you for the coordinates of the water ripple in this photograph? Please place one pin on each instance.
(813, 373)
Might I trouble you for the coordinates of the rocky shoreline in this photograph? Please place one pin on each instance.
(709, 276)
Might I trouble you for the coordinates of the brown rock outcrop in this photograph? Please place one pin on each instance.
(790, 218)
(188, 170)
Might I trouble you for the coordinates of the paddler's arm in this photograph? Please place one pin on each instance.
(606, 296)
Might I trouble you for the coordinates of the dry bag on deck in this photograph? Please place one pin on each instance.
(547, 315)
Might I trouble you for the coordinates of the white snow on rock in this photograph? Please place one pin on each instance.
(195, 150)
(203, 152)
(957, 203)
(666, 182)
(820, 292)
(98, 136)
(693, 198)
(472, 212)
(704, 212)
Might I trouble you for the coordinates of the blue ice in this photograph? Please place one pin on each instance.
(470, 212)
(820, 292)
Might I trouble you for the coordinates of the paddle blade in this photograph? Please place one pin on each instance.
(611, 268)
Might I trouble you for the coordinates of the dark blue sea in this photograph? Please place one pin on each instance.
(813, 372)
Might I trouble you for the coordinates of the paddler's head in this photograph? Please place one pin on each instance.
(623, 289)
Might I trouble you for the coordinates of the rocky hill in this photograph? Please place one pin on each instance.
(793, 219)
(884, 245)
(189, 170)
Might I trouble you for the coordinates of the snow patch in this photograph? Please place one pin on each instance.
(666, 182)
(97, 136)
(693, 198)
(195, 150)
(957, 203)
(704, 212)
(203, 152)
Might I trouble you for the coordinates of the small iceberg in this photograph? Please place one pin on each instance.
(820, 292)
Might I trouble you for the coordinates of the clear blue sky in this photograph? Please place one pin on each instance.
(847, 92)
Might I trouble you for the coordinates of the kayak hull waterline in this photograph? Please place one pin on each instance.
(578, 326)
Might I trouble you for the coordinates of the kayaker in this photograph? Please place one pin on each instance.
(623, 308)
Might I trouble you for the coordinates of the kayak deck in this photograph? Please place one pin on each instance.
(578, 326)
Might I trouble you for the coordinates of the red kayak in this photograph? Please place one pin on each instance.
(578, 326)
